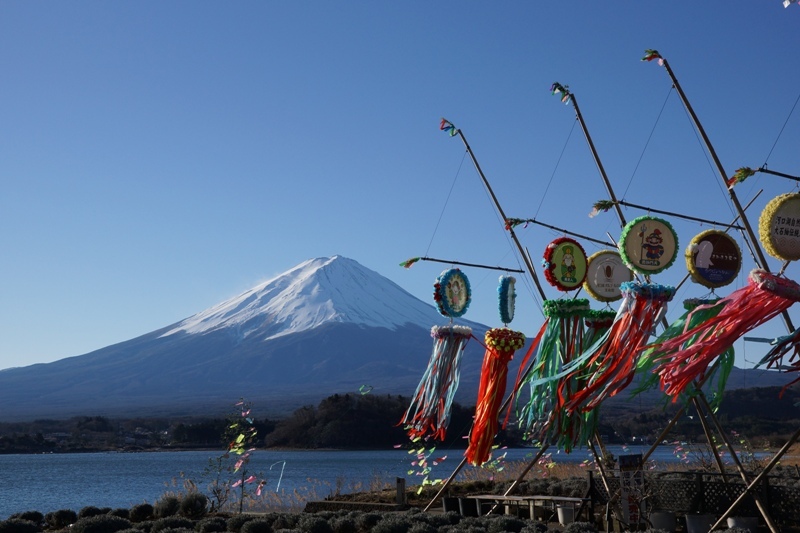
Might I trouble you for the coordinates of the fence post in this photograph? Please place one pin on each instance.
(401, 490)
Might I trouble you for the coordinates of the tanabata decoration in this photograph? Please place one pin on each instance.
(558, 342)
(779, 227)
(507, 298)
(647, 367)
(428, 415)
(686, 357)
(610, 362)
(452, 293)
(739, 176)
(597, 323)
(774, 358)
(501, 343)
(713, 259)
(564, 264)
(648, 245)
(605, 274)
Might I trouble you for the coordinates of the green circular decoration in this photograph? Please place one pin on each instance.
(779, 227)
(648, 245)
(507, 297)
(452, 293)
(713, 259)
(564, 264)
(605, 273)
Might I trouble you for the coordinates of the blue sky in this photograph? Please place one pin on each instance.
(160, 157)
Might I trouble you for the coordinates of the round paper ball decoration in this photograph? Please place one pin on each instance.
(605, 274)
(564, 264)
(452, 293)
(713, 259)
(648, 245)
(779, 227)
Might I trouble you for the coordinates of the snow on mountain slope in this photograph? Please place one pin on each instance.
(313, 293)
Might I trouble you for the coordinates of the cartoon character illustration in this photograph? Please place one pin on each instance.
(653, 249)
(703, 251)
(568, 265)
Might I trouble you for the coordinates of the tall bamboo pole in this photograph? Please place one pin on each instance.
(761, 260)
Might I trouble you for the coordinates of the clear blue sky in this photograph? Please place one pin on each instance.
(157, 158)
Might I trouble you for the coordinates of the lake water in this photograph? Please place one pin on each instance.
(51, 482)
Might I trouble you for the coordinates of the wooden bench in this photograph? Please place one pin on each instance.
(537, 507)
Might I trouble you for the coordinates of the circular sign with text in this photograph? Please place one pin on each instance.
(779, 227)
(648, 245)
(564, 264)
(605, 274)
(713, 259)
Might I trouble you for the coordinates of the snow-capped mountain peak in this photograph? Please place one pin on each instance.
(315, 292)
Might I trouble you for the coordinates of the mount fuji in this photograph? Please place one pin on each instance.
(328, 325)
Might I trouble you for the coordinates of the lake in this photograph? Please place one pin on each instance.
(50, 482)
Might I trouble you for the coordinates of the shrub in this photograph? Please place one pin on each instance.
(90, 510)
(141, 512)
(121, 512)
(367, 521)
(18, 525)
(194, 505)
(284, 521)
(213, 524)
(580, 527)
(344, 524)
(506, 523)
(235, 523)
(61, 518)
(166, 506)
(422, 527)
(103, 523)
(177, 530)
(171, 522)
(34, 516)
(535, 527)
(259, 525)
(314, 524)
(392, 523)
(145, 526)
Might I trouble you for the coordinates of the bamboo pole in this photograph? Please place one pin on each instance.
(761, 260)
(709, 437)
(762, 507)
(774, 461)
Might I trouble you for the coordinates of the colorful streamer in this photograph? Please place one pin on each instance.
(501, 343)
(739, 176)
(648, 368)
(557, 88)
(429, 412)
(447, 127)
(685, 358)
(560, 340)
(611, 361)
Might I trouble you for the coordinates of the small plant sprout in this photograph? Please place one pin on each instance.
(241, 433)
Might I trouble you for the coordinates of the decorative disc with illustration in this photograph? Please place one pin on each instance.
(713, 259)
(648, 245)
(604, 275)
(779, 227)
(564, 264)
(452, 293)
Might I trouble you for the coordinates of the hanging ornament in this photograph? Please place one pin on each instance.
(501, 343)
(597, 323)
(429, 412)
(686, 357)
(559, 341)
(507, 298)
(564, 264)
(648, 245)
(611, 362)
(648, 366)
(779, 227)
(713, 259)
(605, 273)
(452, 293)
